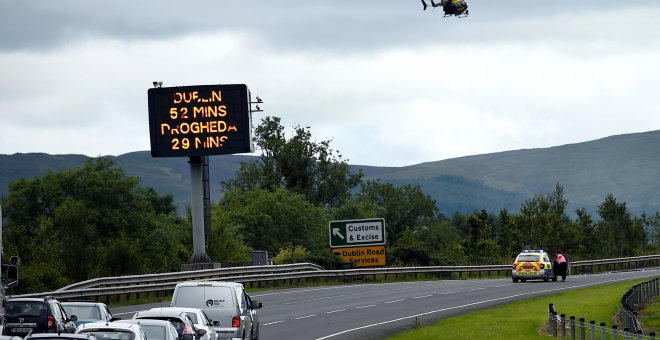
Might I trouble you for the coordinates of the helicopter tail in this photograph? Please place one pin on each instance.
(425, 5)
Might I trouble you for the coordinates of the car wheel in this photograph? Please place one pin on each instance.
(515, 279)
(523, 280)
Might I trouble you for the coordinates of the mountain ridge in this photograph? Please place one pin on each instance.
(624, 165)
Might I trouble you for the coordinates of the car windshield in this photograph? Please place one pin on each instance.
(528, 258)
(25, 309)
(154, 332)
(177, 323)
(193, 317)
(111, 334)
(83, 312)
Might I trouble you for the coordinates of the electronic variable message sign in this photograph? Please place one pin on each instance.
(200, 120)
(352, 233)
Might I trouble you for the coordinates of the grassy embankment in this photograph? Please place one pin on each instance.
(528, 319)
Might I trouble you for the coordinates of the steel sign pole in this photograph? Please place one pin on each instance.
(197, 210)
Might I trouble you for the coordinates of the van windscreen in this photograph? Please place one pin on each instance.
(204, 297)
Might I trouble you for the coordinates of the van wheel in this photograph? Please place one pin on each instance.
(515, 279)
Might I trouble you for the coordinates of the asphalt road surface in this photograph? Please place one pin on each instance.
(375, 311)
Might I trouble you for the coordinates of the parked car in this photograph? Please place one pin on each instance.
(532, 265)
(87, 311)
(225, 302)
(35, 315)
(112, 331)
(199, 319)
(185, 328)
(156, 329)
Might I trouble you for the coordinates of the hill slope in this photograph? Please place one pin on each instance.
(625, 166)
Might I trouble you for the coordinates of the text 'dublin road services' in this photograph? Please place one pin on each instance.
(350, 233)
(200, 120)
(368, 256)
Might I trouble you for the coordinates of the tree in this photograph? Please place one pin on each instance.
(479, 245)
(90, 217)
(409, 250)
(290, 254)
(443, 242)
(299, 164)
(270, 220)
(226, 243)
(543, 220)
(585, 239)
(509, 236)
(620, 234)
(404, 207)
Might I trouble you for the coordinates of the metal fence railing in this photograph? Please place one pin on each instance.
(630, 302)
(137, 286)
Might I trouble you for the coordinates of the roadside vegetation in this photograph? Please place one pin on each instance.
(528, 319)
(95, 221)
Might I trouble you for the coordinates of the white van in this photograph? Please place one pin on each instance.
(226, 302)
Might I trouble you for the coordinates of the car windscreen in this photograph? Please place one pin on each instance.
(154, 332)
(528, 258)
(83, 312)
(25, 309)
(110, 334)
(193, 317)
(176, 322)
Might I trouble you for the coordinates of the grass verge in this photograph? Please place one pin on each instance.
(528, 319)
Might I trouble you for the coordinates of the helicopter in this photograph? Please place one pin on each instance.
(451, 7)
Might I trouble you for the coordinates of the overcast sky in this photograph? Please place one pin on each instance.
(388, 83)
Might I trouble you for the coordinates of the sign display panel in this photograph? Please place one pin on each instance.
(200, 120)
(368, 256)
(351, 233)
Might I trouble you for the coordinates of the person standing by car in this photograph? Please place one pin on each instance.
(562, 265)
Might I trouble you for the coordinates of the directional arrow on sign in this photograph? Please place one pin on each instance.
(335, 231)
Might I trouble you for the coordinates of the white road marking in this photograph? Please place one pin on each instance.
(367, 306)
(336, 311)
(272, 323)
(393, 301)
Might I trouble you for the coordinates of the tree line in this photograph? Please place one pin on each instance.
(96, 221)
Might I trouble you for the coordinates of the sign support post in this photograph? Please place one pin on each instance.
(197, 210)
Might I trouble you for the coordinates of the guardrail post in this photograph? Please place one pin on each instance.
(582, 327)
(615, 332)
(592, 329)
(553, 320)
(626, 333)
(639, 334)
(563, 325)
(603, 331)
(652, 335)
(572, 327)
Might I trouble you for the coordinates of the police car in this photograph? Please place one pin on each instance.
(532, 265)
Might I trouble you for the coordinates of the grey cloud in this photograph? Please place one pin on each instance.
(46, 24)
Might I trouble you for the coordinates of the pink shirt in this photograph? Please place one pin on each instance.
(560, 258)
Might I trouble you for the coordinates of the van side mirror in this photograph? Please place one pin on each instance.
(217, 323)
(256, 304)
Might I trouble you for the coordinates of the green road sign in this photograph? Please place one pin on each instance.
(351, 233)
